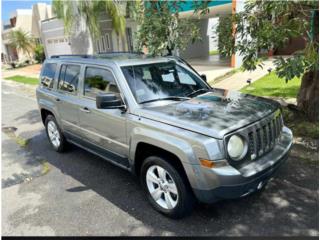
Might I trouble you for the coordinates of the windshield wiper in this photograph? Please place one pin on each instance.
(166, 98)
(199, 90)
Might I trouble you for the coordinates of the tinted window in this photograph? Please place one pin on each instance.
(47, 76)
(69, 78)
(98, 80)
(161, 80)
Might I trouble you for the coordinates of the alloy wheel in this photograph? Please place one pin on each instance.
(53, 134)
(162, 187)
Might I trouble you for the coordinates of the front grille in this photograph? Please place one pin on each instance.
(261, 136)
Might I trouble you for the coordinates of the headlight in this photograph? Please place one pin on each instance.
(236, 147)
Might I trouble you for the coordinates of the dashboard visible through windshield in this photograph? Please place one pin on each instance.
(161, 81)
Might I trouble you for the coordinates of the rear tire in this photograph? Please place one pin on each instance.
(166, 188)
(54, 133)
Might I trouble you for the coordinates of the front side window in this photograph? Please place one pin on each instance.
(47, 76)
(69, 78)
(157, 81)
(99, 81)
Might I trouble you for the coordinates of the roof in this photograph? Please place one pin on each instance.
(119, 58)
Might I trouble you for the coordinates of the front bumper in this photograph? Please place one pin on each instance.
(228, 182)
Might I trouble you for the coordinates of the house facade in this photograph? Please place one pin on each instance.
(56, 41)
(27, 20)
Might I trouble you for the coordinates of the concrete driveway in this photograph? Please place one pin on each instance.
(77, 193)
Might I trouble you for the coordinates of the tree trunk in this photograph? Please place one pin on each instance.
(308, 97)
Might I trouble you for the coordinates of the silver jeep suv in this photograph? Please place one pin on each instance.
(159, 119)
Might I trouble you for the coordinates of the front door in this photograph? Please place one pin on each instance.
(106, 128)
(66, 99)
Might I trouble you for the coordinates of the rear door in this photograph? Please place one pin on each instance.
(67, 98)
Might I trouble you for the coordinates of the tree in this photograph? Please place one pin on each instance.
(22, 41)
(161, 29)
(269, 25)
(72, 12)
(225, 36)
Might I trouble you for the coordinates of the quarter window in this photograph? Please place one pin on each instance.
(69, 78)
(48, 73)
(97, 81)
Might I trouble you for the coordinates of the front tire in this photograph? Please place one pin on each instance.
(166, 188)
(55, 136)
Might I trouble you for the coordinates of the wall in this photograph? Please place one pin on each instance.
(51, 30)
(199, 49)
(40, 12)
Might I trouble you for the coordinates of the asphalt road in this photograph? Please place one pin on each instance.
(82, 194)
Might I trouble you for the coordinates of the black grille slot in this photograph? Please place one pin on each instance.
(270, 134)
(275, 127)
(274, 134)
(259, 143)
(265, 138)
(251, 143)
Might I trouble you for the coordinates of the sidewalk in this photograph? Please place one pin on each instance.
(29, 71)
(239, 79)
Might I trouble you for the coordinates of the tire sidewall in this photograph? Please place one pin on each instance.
(179, 209)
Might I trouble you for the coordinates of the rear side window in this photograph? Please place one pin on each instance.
(98, 80)
(48, 73)
(69, 78)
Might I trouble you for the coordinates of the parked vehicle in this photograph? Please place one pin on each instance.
(159, 119)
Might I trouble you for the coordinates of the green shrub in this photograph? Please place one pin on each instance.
(39, 53)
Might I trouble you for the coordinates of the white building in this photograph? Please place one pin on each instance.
(27, 20)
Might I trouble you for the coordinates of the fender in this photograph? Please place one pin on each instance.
(179, 147)
(49, 106)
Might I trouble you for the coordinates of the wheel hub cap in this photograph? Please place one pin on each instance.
(161, 187)
(53, 134)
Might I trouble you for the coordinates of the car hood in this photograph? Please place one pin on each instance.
(213, 114)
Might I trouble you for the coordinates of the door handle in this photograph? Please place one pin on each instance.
(85, 109)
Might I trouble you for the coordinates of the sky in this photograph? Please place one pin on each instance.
(9, 6)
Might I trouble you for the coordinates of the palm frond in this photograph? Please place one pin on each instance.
(70, 12)
(22, 41)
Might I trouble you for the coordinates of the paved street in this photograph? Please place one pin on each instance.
(77, 193)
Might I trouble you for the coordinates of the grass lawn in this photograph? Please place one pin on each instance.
(272, 85)
(22, 79)
(214, 52)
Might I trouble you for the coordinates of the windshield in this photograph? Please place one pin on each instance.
(158, 81)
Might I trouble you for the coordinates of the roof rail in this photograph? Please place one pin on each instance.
(72, 55)
(93, 56)
(140, 53)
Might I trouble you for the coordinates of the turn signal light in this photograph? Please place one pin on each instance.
(207, 163)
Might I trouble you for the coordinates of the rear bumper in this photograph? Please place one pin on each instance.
(231, 183)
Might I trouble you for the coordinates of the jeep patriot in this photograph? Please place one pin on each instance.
(159, 119)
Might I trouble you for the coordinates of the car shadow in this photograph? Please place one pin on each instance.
(281, 209)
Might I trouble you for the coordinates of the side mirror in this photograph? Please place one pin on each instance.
(108, 101)
(204, 77)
